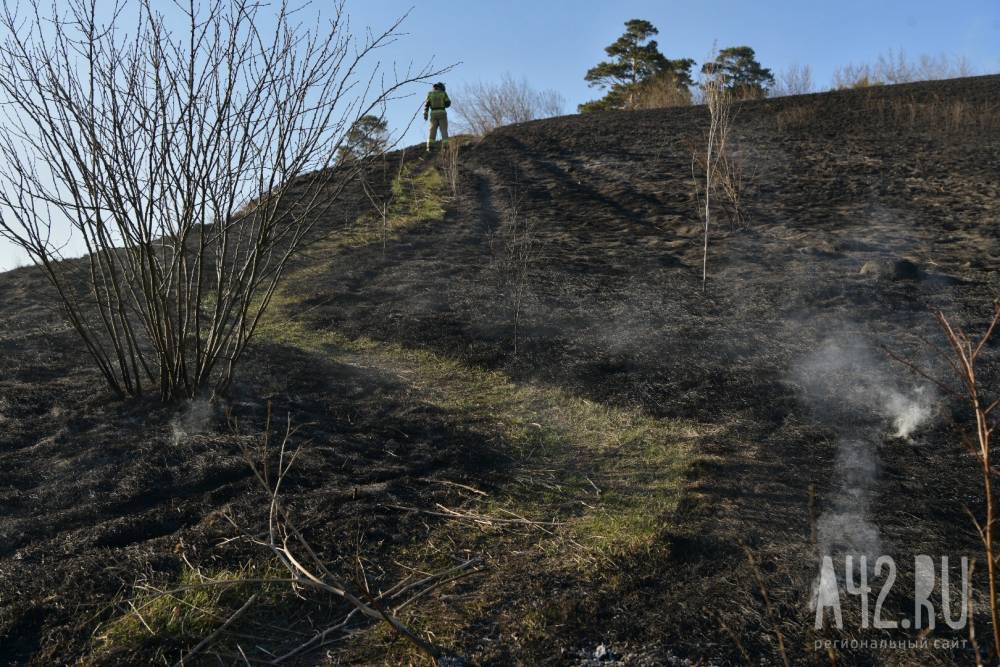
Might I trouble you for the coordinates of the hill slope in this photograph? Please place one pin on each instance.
(530, 372)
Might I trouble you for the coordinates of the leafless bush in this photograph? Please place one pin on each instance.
(515, 251)
(148, 143)
(933, 68)
(793, 80)
(894, 67)
(483, 107)
(734, 178)
(720, 109)
(449, 160)
(383, 198)
(853, 76)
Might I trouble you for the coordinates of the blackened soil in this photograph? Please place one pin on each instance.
(97, 493)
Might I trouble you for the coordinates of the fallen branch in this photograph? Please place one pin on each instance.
(308, 570)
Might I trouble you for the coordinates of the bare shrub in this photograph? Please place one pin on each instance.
(449, 161)
(734, 177)
(192, 163)
(942, 66)
(515, 251)
(719, 100)
(793, 80)
(483, 107)
(382, 199)
(853, 76)
(894, 67)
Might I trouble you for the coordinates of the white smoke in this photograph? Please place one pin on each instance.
(908, 412)
(845, 382)
(856, 393)
(847, 528)
(196, 418)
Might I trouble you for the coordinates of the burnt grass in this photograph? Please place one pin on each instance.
(98, 494)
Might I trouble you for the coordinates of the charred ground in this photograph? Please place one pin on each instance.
(664, 425)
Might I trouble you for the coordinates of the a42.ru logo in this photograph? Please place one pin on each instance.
(827, 593)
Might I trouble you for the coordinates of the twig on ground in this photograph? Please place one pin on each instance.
(207, 641)
(477, 518)
(772, 617)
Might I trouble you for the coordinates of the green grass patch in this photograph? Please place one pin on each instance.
(183, 612)
(609, 475)
(416, 195)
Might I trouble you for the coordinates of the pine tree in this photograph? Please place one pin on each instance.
(368, 136)
(741, 72)
(635, 61)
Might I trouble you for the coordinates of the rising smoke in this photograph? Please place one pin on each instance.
(196, 418)
(853, 390)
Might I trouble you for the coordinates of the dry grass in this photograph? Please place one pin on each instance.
(417, 196)
(795, 118)
(588, 486)
(936, 115)
(184, 613)
(661, 93)
(567, 444)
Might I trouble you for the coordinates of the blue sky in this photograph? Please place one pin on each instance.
(551, 43)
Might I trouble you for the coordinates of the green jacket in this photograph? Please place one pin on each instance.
(437, 102)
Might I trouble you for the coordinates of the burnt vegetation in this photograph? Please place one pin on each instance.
(527, 402)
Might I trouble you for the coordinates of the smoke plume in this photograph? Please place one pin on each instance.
(853, 391)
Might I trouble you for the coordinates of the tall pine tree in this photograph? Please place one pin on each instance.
(741, 72)
(635, 61)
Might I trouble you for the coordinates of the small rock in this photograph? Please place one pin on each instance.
(904, 269)
(899, 269)
(875, 269)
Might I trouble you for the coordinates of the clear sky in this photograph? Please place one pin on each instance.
(552, 42)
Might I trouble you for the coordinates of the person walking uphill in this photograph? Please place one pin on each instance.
(436, 107)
